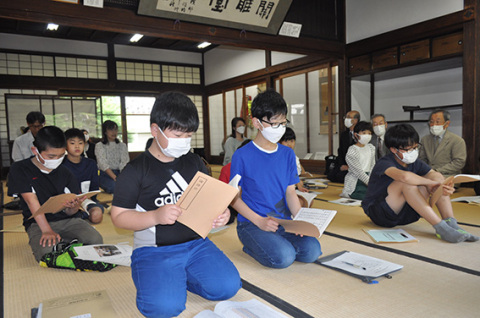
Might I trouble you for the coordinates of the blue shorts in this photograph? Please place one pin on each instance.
(382, 214)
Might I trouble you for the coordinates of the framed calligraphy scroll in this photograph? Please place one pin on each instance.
(264, 16)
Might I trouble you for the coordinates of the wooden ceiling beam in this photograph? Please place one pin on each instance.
(126, 21)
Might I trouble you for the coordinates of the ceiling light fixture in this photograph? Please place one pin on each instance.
(52, 27)
(136, 37)
(204, 45)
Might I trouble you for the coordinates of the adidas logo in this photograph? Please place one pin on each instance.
(172, 192)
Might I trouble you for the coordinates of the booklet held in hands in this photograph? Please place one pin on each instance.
(308, 221)
(56, 203)
(203, 201)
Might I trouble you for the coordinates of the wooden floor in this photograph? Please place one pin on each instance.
(438, 279)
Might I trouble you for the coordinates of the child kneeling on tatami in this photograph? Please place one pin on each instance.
(169, 258)
(400, 186)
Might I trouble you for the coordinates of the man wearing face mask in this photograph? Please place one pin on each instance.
(444, 151)
(346, 140)
(269, 175)
(360, 159)
(400, 185)
(40, 177)
(378, 138)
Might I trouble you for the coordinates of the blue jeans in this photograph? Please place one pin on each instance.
(277, 249)
(162, 276)
(107, 183)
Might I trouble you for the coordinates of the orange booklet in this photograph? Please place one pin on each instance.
(55, 204)
(203, 201)
(459, 178)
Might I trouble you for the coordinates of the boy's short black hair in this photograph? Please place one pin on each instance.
(49, 137)
(175, 110)
(288, 135)
(268, 104)
(401, 136)
(108, 125)
(362, 126)
(33, 117)
(74, 133)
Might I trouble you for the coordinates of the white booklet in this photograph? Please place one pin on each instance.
(308, 221)
(363, 266)
(245, 309)
(108, 253)
(308, 196)
(471, 200)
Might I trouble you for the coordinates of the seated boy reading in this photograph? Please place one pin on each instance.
(38, 178)
(86, 172)
(169, 258)
(269, 175)
(400, 185)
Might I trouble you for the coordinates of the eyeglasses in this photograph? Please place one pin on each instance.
(410, 150)
(276, 125)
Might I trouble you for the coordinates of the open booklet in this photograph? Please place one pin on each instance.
(471, 200)
(245, 309)
(307, 197)
(358, 265)
(308, 221)
(108, 253)
(204, 200)
(390, 236)
(347, 201)
(56, 203)
(459, 178)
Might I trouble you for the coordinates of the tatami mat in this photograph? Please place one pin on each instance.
(426, 286)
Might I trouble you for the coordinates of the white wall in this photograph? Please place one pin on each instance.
(282, 57)
(158, 55)
(222, 63)
(44, 44)
(366, 18)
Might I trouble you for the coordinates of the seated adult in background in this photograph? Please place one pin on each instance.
(22, 146)
(235, 139)
(378, 139)
(400, 186)
(340, 170)
(289, 139)
(360, 159)
(442, 150)
(112, 156)
(37, 179)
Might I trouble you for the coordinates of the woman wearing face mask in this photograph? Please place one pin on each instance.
(235, 139)
(360, 159)
(112, 156)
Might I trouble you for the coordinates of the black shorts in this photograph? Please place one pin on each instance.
(381, 214)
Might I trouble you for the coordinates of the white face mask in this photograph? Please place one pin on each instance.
(379, 130)
(176, 147)
(364, 139)
(436, 130)
(348, 122)
(273, 134)
(50, 164)
(409, 158)
(241, 130)
(87, 137)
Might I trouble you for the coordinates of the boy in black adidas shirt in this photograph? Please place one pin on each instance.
(38, 178)
(169, 258)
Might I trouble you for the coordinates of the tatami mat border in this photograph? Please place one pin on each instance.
(275, 301)
(407, 254)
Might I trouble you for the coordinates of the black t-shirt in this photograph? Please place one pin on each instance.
(25, 177)
(379, 181)
(147, 184)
